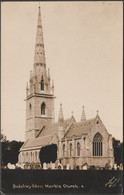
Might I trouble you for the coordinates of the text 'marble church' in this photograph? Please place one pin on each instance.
(84, 143)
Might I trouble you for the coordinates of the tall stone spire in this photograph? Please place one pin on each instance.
(39, 80)
(39, 93)
(83, 117)
(39, 58)
(61, 118)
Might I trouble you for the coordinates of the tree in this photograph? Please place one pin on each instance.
(10, 150)
(118, 151)
(3, 137)
(5, 152)
(14, 147)
(48, 154)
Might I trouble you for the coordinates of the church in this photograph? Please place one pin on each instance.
(79, 144)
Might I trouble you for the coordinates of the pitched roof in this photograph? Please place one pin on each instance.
(53, 128)
(49, 130)
(37, 142)
(77, 129)
(46, 135)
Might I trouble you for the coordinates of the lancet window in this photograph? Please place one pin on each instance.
(43, 108)
(42, 83)
(70, 149)
(78, 149)
(63, 150)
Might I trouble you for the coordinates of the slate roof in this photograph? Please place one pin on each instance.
(53, 128)
(49, 130)
(45, 135)
(37, 142)
(78, 129)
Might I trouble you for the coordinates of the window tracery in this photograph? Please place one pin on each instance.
(97, 145)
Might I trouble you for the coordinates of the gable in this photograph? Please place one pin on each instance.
(98, 127)
(53, 127)
(78, 129)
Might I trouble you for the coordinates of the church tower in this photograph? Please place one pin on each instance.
(40, 92)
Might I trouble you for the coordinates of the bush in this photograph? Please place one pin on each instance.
(48, 154)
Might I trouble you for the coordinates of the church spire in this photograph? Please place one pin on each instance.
(61, 118)
(39, 58)
(83, 117)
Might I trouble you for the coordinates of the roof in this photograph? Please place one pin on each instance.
(77, 129)
(53, 128)
(48, 130)
(37, 142)
(47, 135)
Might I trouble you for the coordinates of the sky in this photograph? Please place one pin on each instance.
(83, 48)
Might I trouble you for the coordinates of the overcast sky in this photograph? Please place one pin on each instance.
(83, 46)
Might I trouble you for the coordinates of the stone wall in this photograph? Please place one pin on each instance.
(29, 156)
(86, 148)
(34, 119)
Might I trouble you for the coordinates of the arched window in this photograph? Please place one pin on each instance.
(43, 108)
(63, 150)
(97, 145)
(35, 156)
(26, 156)
(78, 149)
(70, 149)
(31, 156)
(42, 84)
(23, 157)
(30, 106)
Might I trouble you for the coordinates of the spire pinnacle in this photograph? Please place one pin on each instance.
(61, 118)
(83, 117)
(53, 87)
(30, 75)
(97, 112)
(39, 4)
(52, 83)
(39, 58)
(48, 73)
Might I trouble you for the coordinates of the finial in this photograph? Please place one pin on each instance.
(30, 74)
(97, 112)
(61, 118)
(53, 87)
(39, 4)
(83, 117)
(52, 83)
(48, 73)
(27, 89)
(72, 113)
